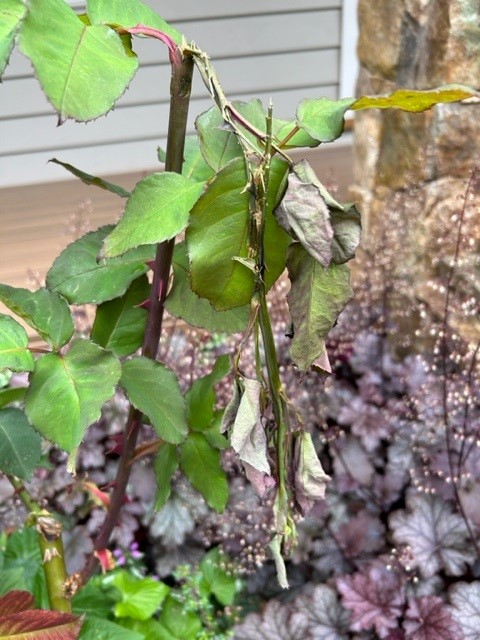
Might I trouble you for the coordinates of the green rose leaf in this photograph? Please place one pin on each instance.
(157, 210)
(316, 298)
(301, 139)
(20, 444)
(415, 101)
(67, 392)
(200, 462)
(310, 478)
(14, 353)
(14, 394)
(93, 180)
(182, 303)
(200, 397)
(217, 236)
(218, 142)
(153, 389)
(80, 278)
(129, 14)
(83, 69)
(120, 323)
(45, 311)
(165, 465)
(323, 118)
(12, 13)
(140, 597)
(194, 165)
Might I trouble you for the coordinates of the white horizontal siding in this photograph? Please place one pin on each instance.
(288, 50)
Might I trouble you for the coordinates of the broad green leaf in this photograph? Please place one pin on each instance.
(194, 165)
(120, 323)
(323, 119)
(213, 433)
(129, 14)
(93, 600)
(282, 128)
(100, 629)
(218, 142)
(14, 353)
(20, 444)
(165, 465)
(310, 478)
(182, 303)
(150, 629)
(218, 233)
(155, 391)
(140, 597)
(93, 180)
(12, 579)
(180, 622)
(415, 101)
(200, 397)
(13, 394)
(248, 437)
(157, 210)
(45, 311)
(220, 583)
(80, 278)
(11, 14)
(67, 392)
(316, 298)
(82, 69)
(22, 552)
(200, 462)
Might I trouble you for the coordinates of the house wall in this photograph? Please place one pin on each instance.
(280, 49)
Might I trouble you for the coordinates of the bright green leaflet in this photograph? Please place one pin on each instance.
(99, 629)
(67, 392)
(93, 600)
(180, 622)
(323, 119)
(140, 597)
(64, 52)
(14, 353)
(81, 278)
(120, 323)
(153, 389)
(11, 14)
(45, 311)
(20, 445)
(218, 233)
(157, 210)
(200, 397)
(194, 165)
(129, 14)
(316, 298)
(15, 394)
(220, 583)
(165, 465)
(198, 312)
(200, 462)
(93, 180)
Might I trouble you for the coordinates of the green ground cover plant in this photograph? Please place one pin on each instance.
(229, 214)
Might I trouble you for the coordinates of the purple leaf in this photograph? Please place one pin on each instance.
(325, 617)
(428, 618)
(278, 622)
(465, 599)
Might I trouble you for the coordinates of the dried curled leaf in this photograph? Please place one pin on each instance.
(310, 478)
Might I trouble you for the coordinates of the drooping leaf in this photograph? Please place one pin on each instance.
(415, 101)
(465, 599)
(157, 210)
(165, 465)
(194, 165)
(140, 597)
(305, 216)
(277, 622)
(323, 118)
(129, 14)
(375, 599)
(200, 398)
(310, 478)
(218, 142)
(344, 219)
(200, 462)
(182, 303)
(83, 69)
(231, 410)
(316, 298)
(14, 353)
(437, 537)
(248, 437)
(218, 233)
(93, 180)
(154, 389)
(429, 618)
(43, 310)
(12, 13)
(80, 278)
(67, 392)
(20, 445)
(223, 585)
(119, 324)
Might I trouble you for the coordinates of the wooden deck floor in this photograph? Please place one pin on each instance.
(38, 221)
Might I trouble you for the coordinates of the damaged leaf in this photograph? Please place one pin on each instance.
(310, 478)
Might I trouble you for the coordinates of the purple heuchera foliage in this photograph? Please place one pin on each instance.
(428, 618)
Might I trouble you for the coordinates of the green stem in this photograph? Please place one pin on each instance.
(50, 541)
(180, 89)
